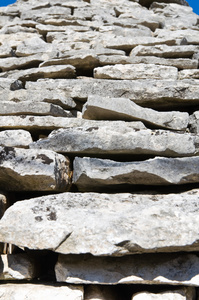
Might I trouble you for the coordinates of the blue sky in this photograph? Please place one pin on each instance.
(193, 3)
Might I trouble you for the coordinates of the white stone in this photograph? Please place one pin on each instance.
(15, 138)
(181, 294)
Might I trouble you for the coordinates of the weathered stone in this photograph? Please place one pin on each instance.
(32, 108)
(12, 63)
(127, 44)
(165, 51)
(15, 138)
(34, 291)
(149, 2)
(114, 219)
(150, 93)
(94, 137)
(99, 108)
(181, 294)
(15, 39)
(189, 74)
(33, 74)
(167, 269)
(5, 51)
(3, 204)
(16, 267)
(136, 72)
(96, 292)
(194, 122)
(189, 36)
(92, 174)
(30, 170)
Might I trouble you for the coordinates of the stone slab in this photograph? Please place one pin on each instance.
(15, 138)
(189, 74)
(92, 174)
(105, 224)
(101, 108)
(180, 294)
(30, 170)
(12, 63)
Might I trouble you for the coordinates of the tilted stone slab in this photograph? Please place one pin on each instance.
(189, 74)
(15, 138)
(136, 72)
(180, 294)
(92, 174)
(17, 267)
(32, 108)
(15, 39)
(35, 291)
(12, 63)
(77, 223)
(165, 51)
(30, 170)
(116, 138)
(101, 108)
(167, 269)
(190, 36)
(151, 93)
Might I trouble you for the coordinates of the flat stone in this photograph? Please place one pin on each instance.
(12, 63)
(15, 39)
(30, 170)
(99, 108)
(31, 108)
(5, 51)
(35, 291)
(165, 51)
(15, 138)
(93, 137)
(194, 122)
(180, 294)
(169, 269)
(149, 2)
(33, 74)
(94, 174)
(189, 74)
(16, 267)
(150, 93)
(127, 44)
(136, 72)
(60, 222)
(189, 36)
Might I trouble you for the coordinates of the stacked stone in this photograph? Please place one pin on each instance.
(99, 150)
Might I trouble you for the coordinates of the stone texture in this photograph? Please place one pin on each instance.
(3, 204)
(11, 63)
(169, 269)
(189, 74)
(114, 219)
(181, 294)
(16, 267)
(99, 108)
(136, 72)
(92, 174)
(194, 122)
(116, 138)
(33, 291)
(30, 170)
(189, 36)
(15, 138)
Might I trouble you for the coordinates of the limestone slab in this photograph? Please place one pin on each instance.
(15, 138)
(77, 223)
(12, 63)
(30, 170)
(15, 39)
(165, 51)
(190, 36)
(167, 269)
(136, 72)
(34, 291)
(116, 138)
(194, 122)
(101, 108)
(189, 74)
(181, 294)
(16, 267)
(92, 174)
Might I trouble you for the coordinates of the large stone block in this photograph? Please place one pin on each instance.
(180, 294)
(105, 224)
(30, 170)
(15, 138)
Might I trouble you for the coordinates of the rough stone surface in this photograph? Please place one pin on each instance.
(93, 137)
(16, 267)
(99, 108)
(194, 122)
(112, 218)
(92, 174)
(181, 294)
(136, 72)
(33, 291)
(169, 269)
(189, 74)
(15, 138)
(33, 170)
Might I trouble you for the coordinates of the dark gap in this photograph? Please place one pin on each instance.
(84, 72)
(72, 11)
(34, 64)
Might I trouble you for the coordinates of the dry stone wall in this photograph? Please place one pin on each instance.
(99, 145)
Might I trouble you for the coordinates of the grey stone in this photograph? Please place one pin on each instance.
(99, 108)
(13, 40)
(5, 51)
(30, 170)
(77, 223)
(189, 74)
(166, 269)
(194, 122)
(16, 267)
(3, 204)
(93, 137)
(34, 291)
(12, 63)
(149, 2)
(92, 174)
(136, 72)
(180, 294)
(165, 51)
(15, 138)
(189, 35)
